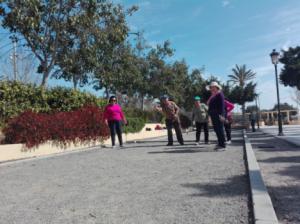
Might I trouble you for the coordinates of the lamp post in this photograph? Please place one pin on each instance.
(275, 59)
(257, 111)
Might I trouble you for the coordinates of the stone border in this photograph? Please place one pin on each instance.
(263, 210)
(14, 152)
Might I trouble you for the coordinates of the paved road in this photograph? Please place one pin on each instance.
(291, 133)
(279, 162)
(143, 183)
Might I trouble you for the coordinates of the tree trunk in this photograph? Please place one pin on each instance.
(106, 93)
(75, 82)
(44, 80)
(244, 115)
(142, 106)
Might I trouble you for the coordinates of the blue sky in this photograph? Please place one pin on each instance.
(218, 34)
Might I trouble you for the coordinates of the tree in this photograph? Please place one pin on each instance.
(243, 91)
(241, 75)
(283, 106)
(55, 29)
(252, 108)
(296, 98)
(290, 74)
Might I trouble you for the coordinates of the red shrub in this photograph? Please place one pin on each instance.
(79, 126)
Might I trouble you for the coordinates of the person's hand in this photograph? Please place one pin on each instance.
(106, 122)
(222, 118)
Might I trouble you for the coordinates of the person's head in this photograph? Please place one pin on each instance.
(197, 100)
(214, 87)
(164, 99)
(112, 100)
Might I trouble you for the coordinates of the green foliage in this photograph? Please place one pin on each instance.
(283, 106)
(66, 34)
(242, 95)
(290, 74)
(16, 97)
(241, 75)
(134, 125)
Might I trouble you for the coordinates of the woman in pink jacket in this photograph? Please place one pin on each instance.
(114, 117)
(227, 124)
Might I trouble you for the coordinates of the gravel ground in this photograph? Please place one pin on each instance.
(145, 182)
(279, 162)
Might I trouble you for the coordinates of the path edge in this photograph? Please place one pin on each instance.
(263, 209)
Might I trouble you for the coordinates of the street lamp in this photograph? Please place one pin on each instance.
(275, 59)
(257, 111)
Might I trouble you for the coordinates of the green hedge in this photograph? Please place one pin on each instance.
(16, 97)
(134, 125)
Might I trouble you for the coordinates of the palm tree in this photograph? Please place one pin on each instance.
(241, 75)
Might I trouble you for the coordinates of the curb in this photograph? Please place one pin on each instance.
(263, 210)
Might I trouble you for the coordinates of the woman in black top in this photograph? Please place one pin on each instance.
(216, 110)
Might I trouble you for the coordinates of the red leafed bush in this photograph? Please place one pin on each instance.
(80, 126)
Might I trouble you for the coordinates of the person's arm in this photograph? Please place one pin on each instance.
(221, 100)
(177, 109)
(193, 114)
(229, 106)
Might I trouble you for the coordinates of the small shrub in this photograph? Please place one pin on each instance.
(185, 121)
(134, 125)
(80, 126)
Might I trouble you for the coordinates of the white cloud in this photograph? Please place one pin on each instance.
(225, 3)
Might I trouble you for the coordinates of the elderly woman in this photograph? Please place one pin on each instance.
(114, 116)
(216, 110)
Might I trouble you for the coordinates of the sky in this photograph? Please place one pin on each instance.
(218, 34)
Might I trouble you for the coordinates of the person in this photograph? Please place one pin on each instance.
(227, 124)
(200, 116)
(216, 110)
(114, 116)
(171, 111)
(252, 118)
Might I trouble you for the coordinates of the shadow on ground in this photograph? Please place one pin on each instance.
(231, 187)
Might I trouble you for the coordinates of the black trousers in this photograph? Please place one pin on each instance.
(115, 127)
(227, 127)
(253, 125)
(199, 126)
(219, 129)
(170, 124)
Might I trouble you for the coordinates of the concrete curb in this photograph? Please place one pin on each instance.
(263, 209)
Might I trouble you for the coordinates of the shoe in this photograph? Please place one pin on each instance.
(206, 143)
(219, 149)
(170, 144)
(228, 142)
(121, 146)
(197, 143)
(113, 146)
(181, 143)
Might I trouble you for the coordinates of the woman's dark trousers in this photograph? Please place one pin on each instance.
(219, 129)
(199, 126)
(228, 131)
(170, 124)
(115, 127)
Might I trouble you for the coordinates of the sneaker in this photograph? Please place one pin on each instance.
(113, 146)
(181, 143)
(121, 146)
(228, 142)
(206, 143)
(197, 143)
(220, 149)
(170, 144)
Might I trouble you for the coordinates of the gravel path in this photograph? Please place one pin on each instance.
(142, 183)
(279, 162)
